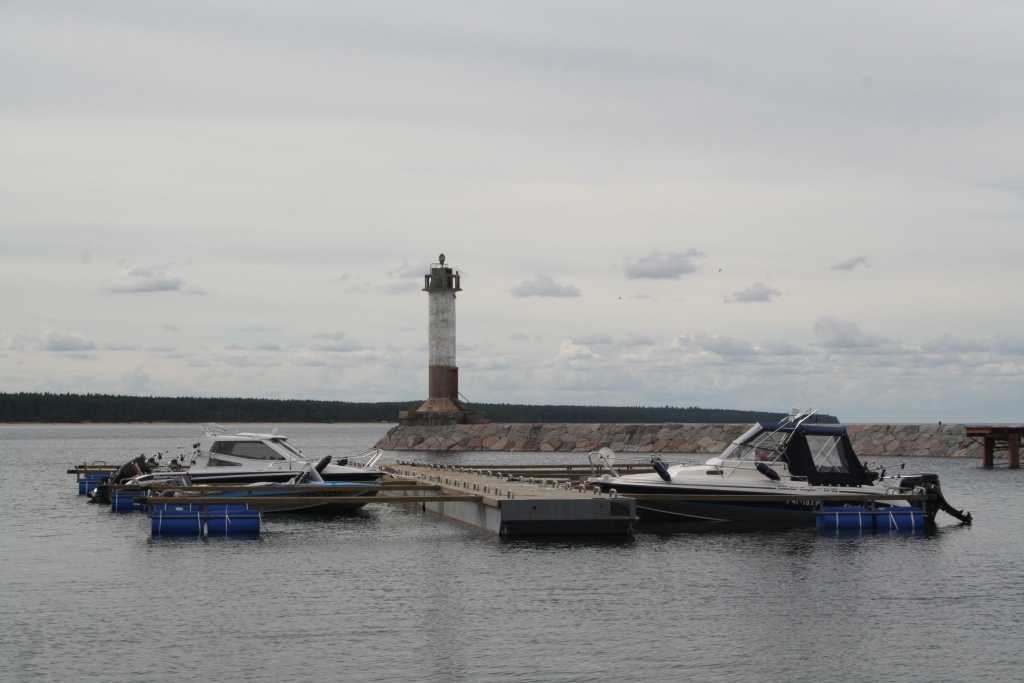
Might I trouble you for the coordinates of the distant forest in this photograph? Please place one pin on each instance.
(24, 407)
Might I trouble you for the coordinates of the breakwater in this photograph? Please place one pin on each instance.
(871, 440)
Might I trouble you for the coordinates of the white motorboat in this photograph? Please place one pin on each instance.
(247, 458)
(778, 473)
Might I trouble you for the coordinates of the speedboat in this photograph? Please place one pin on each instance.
(248, 458)
(791, 472)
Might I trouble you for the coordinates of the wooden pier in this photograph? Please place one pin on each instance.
(1005, 437)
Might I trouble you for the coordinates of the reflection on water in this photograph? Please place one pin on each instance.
(392, 593)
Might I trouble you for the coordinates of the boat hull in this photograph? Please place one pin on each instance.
(769, 507)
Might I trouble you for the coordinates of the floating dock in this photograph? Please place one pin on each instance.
(508, 500)
(523, 500)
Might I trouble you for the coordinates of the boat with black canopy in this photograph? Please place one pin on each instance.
(792, 472)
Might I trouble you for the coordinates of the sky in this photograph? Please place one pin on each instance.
(731, 205)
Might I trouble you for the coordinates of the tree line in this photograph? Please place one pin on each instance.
(47, 407)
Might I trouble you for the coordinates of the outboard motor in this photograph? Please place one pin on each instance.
(132, 468)
(930, 483)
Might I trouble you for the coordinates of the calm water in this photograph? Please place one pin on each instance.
(396, 594)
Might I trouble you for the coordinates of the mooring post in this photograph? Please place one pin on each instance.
(989, 456)
(1013, 449)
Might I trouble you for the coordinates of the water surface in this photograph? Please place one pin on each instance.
(393, 593)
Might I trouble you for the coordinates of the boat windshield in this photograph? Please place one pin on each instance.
(251, 450)
(766, 446)
(288, 446)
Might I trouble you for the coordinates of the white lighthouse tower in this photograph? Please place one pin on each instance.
(441, 284)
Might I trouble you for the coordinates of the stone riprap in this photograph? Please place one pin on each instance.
(868, 440)
(939, 441)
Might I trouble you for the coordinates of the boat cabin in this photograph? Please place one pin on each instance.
(820, 454)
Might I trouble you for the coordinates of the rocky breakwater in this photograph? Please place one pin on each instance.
(868, 440)
(899, 441)
(628, 438)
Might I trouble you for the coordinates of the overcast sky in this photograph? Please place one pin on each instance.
(752, 205)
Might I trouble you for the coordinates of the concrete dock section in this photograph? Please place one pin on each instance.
(513, 504)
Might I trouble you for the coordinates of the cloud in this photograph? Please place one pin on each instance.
(136, 381)
(724, 346)
(518, 336)
(335, 342)
(407, 271)
(948, 344)
(402, 287)
(640, 295)
(245, 361)
(544, 285)
(61, 341)
(260, 328)
(120, 347)
(309, 361)
(657, 266)
(844, 334)
(12, 342)
(408, 328)
(256, 346)
(592, 339)
(572, 351)
(640, 340)
(755, 293)
(1003, 344)
(783, 348)
(143, 279)
(851, 263)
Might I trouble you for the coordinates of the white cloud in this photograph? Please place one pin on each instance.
(592, 339)
(851, 263)
(668, 266)
(570, 351)
(253, 346)
(846, 335)
(13, 342)
(120, 347)
(544, 285)
(755, 293)
(782, 348)
(61, 341)
(409, 271)
(143, 279)
(517, 336)
(335, 342)
(637, 340)
(402, 287)
(724, 346)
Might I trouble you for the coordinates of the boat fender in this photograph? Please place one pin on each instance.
(767, 471)
(322, 463)
(660, 468)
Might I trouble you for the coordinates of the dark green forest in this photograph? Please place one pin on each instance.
(46, 407)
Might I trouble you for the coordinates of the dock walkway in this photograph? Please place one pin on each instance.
(516, 501)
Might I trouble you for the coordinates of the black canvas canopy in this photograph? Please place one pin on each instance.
(823, 454)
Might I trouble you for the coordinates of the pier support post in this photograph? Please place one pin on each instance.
(989, 452)
(1013, 449)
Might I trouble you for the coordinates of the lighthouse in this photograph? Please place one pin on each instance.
(441, 284)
